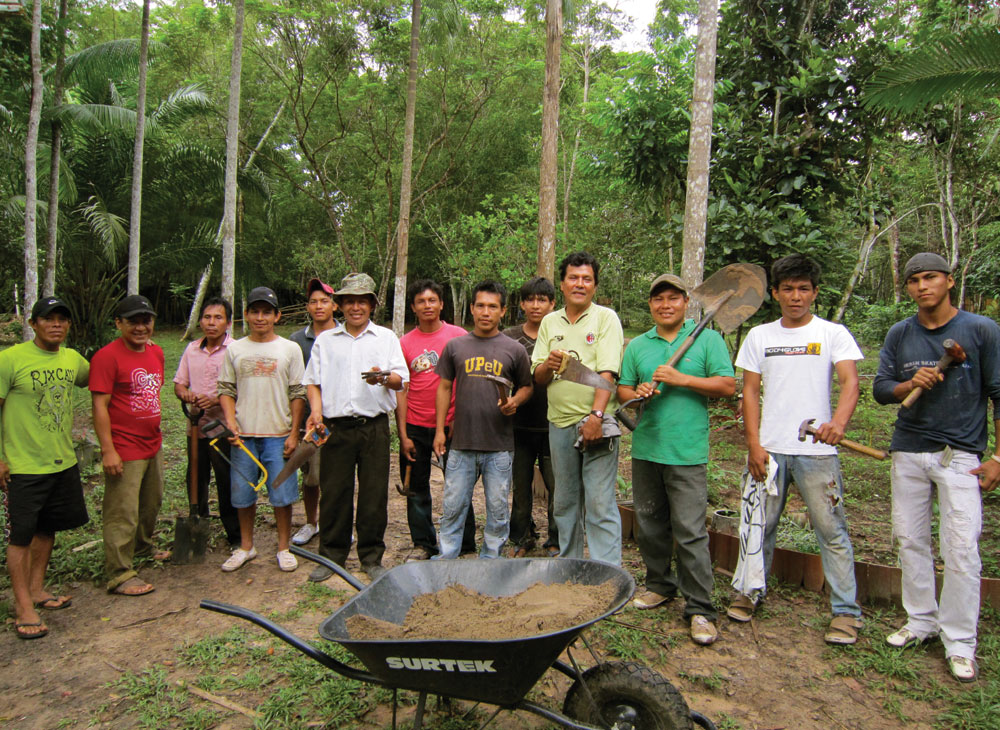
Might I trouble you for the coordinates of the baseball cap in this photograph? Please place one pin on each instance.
(316, 284)
(670, 279)
(46, 305)
(262, 294)
(925, 262)
(357, 285)
(132, 305)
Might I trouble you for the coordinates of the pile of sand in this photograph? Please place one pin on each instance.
(457, 612)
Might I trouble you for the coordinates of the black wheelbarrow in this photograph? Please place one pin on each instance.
(609, 695)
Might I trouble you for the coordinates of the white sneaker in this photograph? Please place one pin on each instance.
(963, 669)
(306, 533)
(902, 638)
(238, 559)
(703, 631)
(287, 561)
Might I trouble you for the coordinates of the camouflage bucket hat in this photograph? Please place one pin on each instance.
(357, 285)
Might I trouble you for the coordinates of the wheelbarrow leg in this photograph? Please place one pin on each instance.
(418, 718)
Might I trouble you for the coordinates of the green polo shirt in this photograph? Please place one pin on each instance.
(596, 340)
(674, 425)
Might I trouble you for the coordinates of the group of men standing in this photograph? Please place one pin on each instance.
(490, 404)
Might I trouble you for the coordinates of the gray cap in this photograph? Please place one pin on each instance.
(925, 262)
(671, 280)
(262, 294)
(357, 285)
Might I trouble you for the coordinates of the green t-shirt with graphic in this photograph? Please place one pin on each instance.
(36, 387)
(674, 425)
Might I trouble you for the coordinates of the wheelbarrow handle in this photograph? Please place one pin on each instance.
(327, 563)
(289, 638)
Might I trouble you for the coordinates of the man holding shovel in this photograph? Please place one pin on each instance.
(670, 452)
(482, 443)
(793, 359)
(39, 477)
(196, 383)
(937, 445)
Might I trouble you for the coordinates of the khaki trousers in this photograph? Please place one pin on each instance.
(131, 505)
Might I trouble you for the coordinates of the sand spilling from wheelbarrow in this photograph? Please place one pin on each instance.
(458, 612)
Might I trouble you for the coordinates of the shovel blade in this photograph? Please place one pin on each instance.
(190, 540)
(737, 290)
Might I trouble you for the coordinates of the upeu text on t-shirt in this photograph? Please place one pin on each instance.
(478, 365)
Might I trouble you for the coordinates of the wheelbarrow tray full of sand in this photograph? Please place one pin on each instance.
(497, 672)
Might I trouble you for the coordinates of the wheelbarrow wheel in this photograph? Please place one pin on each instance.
(627, 696)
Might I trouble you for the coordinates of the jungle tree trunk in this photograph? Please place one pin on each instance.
(406, 177)
(51, 251)
(31, 173)
(549, 165)
(700, 145)
(232, 155)
(135, 211)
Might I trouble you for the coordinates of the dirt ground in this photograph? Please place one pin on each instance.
(775, 674)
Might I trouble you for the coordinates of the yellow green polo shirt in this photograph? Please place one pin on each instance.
(596, 340)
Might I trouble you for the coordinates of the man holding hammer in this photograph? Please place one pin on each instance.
(793, 359)
(938, 443)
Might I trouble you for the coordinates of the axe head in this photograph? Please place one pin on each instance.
(954, 351)
(735, 291)
(805, 428)
(500, 381)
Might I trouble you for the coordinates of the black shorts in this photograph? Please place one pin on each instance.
(44, 503)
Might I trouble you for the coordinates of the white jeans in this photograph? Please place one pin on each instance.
(914, 478)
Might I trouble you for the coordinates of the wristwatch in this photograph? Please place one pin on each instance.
(599, 414)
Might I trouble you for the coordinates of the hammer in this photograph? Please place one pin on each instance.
(953, 354)
(404, 488)
(806, 428)
(504, 386)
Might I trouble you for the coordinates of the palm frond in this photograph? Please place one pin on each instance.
(181, 105)
(97, 118)
(112, 59)
(966, 63)
(107, 228)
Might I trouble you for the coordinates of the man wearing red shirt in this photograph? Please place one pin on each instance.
(422, 346)
(125, 380)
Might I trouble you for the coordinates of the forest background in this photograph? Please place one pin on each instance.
(799, 163)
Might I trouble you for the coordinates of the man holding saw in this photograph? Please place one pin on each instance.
(793, 359)
(670, 452)
(937, 444)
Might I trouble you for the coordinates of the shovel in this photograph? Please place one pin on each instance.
(191, 533)
(729, 296)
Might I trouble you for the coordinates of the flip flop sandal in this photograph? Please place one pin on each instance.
(843, 630)
(161, 555)
(741, 609)
(552, 551)
(54, 603)
(122, 589)
(34, 635)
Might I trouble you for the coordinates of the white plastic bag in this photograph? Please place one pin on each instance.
(749, 578)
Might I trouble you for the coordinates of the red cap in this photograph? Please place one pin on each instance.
(315, 284)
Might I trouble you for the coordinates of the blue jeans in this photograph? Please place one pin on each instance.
(821, 485)
(585, 493)
(269, 450)
(461, 473)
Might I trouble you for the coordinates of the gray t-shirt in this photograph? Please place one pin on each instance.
(479, 424)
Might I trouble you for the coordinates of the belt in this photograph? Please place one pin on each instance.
(353, 421)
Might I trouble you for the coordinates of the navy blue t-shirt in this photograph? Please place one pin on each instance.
(952, 413)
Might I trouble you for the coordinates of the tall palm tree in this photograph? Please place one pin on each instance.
(232, 159)
(31, 172)
(548, 166)
(135, 211)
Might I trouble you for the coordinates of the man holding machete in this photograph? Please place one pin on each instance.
(585, 476)
(937, 444)
(422, 347)
(482, 441)
(320, 306)
(355, 411)
(793, 359)
(670, 452)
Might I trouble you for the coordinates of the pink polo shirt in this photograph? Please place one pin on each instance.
(199, 370)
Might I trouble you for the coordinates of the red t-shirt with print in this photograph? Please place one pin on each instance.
(134, 380)
(422, 351)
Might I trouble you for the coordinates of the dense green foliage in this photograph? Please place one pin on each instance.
(798, 163)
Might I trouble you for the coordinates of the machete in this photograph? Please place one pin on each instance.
(311, 442)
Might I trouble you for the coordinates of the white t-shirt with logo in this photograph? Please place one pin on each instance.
(796, 366)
